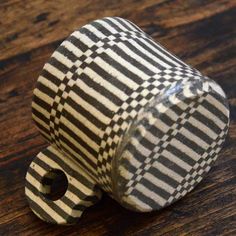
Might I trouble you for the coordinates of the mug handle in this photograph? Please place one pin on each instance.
(81, 192)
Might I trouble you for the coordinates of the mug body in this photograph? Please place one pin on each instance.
(144, 126)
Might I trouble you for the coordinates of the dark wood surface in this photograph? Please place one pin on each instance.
(200, 32)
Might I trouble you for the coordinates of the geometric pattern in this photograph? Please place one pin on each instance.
(127, 115)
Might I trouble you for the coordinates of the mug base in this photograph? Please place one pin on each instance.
(172, 146)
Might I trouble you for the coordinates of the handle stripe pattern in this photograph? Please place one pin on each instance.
(81, 192)
(109, 80)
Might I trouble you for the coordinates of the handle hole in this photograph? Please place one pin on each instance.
(54, 184)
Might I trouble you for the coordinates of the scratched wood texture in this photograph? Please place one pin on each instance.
(202, 33)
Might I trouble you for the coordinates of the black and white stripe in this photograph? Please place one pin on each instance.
(126, 114)
(81, 192)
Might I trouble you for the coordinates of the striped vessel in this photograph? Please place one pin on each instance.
(122, 115)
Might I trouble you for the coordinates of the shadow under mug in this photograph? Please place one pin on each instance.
(122, 115)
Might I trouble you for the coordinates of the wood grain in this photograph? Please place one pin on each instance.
(200, 32)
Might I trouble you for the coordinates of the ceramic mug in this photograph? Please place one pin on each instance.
(122, 115)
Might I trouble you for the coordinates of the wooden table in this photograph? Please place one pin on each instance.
(200, 32)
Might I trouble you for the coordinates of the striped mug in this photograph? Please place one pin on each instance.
(122, 115)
